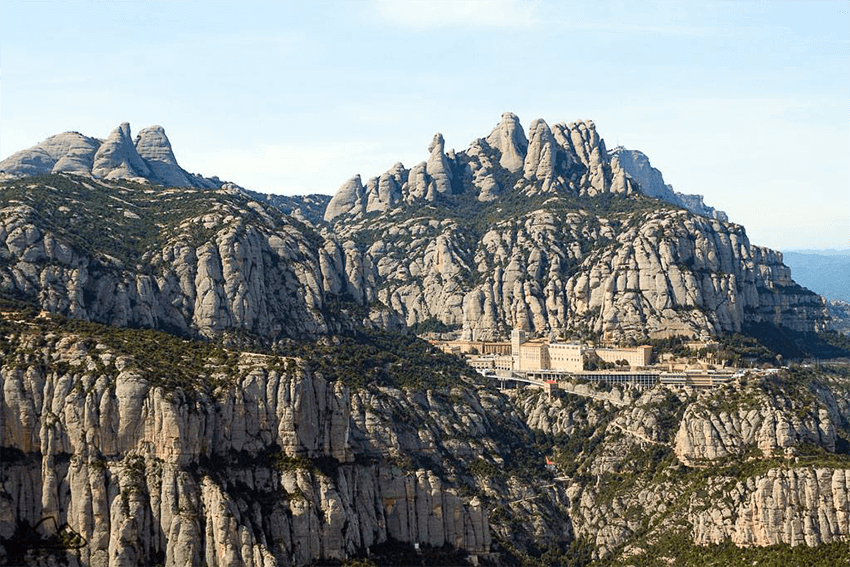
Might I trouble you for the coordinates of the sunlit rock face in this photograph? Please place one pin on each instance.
(551, 233)
(149, 158)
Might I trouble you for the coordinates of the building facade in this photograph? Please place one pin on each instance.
(566, 357)
(540, 354)
(637, 356)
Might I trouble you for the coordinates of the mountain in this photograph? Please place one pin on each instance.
(150, 449)
(551, 233)
(202, 375)
(233, 456)
(547, 232)
(823, 251)
(148, 157)
(195, 262)
(826, 274)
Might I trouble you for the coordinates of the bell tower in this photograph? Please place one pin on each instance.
(517, 338)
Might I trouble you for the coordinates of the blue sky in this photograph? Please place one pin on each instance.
(744, 102)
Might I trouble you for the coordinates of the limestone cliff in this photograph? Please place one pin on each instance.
(551, 233)
(195, 262)
(244, 459)
(652, 184)
(148, 158)
(761, 462)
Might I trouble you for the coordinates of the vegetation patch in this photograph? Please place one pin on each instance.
(677, 548)
(380, 358)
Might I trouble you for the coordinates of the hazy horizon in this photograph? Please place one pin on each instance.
(744, 103)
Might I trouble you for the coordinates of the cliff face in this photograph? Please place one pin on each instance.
(551, 234)
(760, 462)
(670, 273)
(805, 506)
(256, 461)
(652, 184)
(195, 262)
(773, 421)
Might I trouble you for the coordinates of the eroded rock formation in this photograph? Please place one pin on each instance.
(148, 159)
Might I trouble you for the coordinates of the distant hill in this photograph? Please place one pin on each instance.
(822, 251)
(825, 272)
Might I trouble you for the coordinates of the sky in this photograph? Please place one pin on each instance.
(744, 102)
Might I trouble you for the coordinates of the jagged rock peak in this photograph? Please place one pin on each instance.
(438, 169)
(437, 143)
(541, 155)
(562, 158)
(117, 157)
(509, 138)
(154, 147)
(148, 158)
(566, 158)
(652, 184)
(347, 199)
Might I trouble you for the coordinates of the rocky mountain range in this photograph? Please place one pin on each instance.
(147, 158)
(253, 460)
(548, 233)
(552, 233)
(150, 449)
(193, 373)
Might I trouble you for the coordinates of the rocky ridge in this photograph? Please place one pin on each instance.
(278, 458)
(243, 459)
(566, 157)
(189, 261)
(652, 184)
(761, 462)
(552, 234)
(148, 158)
(548, 232)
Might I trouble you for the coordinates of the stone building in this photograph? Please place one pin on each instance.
(566, 357)
(540, 354)
(636, 356)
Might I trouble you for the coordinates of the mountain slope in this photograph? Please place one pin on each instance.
(668, 476)
(189, 261)
(148, 449)
(551, 234)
